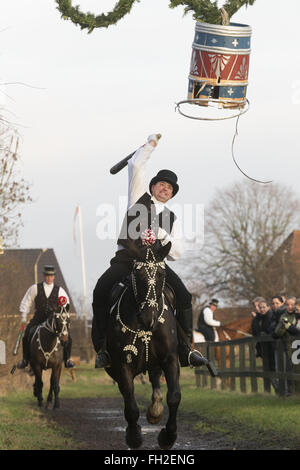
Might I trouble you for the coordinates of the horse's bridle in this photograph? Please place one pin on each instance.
(52, 327)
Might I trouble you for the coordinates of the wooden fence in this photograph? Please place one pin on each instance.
(240, 368)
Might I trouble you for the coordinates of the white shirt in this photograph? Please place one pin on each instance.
(31, 294)
(137, 186)
(209, 317)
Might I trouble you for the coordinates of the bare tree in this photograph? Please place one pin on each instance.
(14, 190)
(244, 226)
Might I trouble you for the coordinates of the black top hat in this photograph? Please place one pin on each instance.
(49, 271)
(169, 177)
(214, 302)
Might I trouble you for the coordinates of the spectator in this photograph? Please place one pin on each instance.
(256, 303)
(261, 322)
(287, 324)
(261, 326)
(297, 306)
(278, 308)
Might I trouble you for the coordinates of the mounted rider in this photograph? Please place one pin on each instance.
(206, 321)
(44, 295)
(146, 210)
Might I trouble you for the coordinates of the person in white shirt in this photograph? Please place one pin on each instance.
(145, 210)
(44, 295)
(206, 321)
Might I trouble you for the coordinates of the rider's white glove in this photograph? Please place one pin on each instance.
(163, 235)
(154, 137)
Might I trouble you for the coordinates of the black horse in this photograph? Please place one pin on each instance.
(142, 335)
(46, 352)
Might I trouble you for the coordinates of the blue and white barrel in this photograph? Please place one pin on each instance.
(220, 64)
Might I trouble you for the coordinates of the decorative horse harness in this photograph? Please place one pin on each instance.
(151, 266)
(51, 327)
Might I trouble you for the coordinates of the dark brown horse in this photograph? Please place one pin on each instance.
(142, 335)
(46, 352)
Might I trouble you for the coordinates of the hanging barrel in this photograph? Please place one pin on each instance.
(220, 65)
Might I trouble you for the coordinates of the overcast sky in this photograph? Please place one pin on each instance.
(99, 96)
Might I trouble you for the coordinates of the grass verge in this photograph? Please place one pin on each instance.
(263, 418)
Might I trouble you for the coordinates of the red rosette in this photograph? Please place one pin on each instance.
(148, 237)
(62, 300)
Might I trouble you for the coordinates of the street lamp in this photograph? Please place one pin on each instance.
(36, 264)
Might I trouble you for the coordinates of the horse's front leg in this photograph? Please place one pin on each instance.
(50, 396)
(38, 383)
(168, 435)
(55, 378)
(155, 409)
(131, 411)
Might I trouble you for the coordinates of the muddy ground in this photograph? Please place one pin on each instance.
(99, 424)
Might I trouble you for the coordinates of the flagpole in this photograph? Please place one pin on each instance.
(82, 263)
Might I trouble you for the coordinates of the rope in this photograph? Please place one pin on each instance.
(234, 159)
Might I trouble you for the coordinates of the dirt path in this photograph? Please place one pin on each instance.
(99, 424)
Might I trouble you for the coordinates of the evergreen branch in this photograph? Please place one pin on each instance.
(89, 20)
(204, 10)
(232, 6)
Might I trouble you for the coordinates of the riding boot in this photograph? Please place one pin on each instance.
(187, 356)
(25, 361)
(67, 354)
(103, 357)
(99, 330)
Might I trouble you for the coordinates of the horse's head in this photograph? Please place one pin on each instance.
(61, 322)
(148, 280)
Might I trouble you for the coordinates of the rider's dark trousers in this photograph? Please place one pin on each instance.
(114, 274)
(207, 331)
(67, 348)
(26, 338)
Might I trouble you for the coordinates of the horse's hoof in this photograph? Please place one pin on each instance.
(40, 404)
(155, 414)
(134, 438)
(166, 440)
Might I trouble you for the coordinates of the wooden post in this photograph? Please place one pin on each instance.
(205, 378)
(232, 367)
(223, 366)
(280, 366)
(253, 367)
(265, 348)
(242, 368)
(211, 357)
